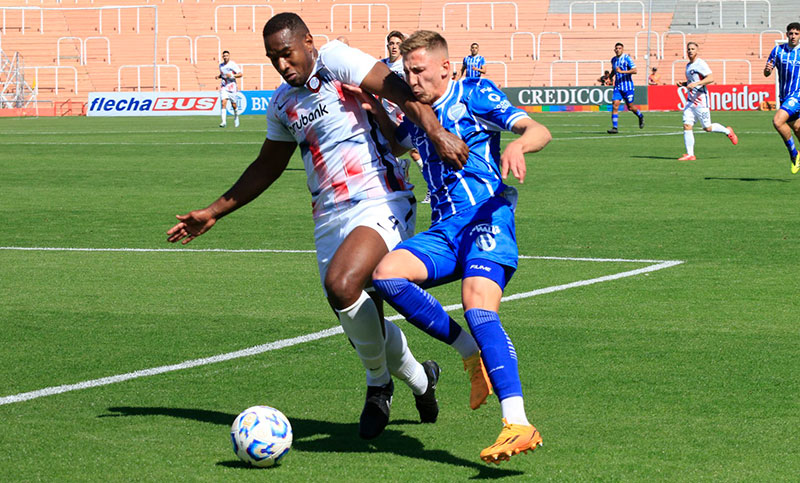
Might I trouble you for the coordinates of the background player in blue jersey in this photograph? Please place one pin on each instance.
(622, 70)
(786, 58)
(473, 64)
(472, 236)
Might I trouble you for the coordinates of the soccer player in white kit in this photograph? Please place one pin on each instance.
(229, 71)
(362, 206)
(698, 76)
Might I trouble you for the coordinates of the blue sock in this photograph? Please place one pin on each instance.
(419, 308)
(497, 351)
(638, 114)
(614, 120)
(791, 148)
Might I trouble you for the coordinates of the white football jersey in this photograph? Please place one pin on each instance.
(346, 158)
(395, 114)
(230, 67)
(697, 71)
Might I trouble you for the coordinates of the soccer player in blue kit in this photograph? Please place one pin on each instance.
(786, 58)
(622, 70)
(472, 236)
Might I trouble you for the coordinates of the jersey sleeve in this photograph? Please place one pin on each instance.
(276, 129)
(629, 61)
(488, 103)
(403, 134)
(348, 64)
(235, 67)
(703, 69)
(773, 55)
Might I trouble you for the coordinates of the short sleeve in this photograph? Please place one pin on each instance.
(488, 103)
(703, 68)
(629, 60)
(349, 65)
(276, 130)
(235, 68)
(403, 134)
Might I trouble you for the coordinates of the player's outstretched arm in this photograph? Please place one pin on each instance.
(267, 167)
(384, 83)
(533, 137)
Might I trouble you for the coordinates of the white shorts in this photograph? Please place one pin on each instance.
(232, 95)
(394, 220)
(692, 114)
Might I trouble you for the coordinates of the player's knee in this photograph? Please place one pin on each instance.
(342, 289)
(707, 128)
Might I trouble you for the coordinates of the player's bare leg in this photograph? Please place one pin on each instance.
(349, 272)
(481, 299)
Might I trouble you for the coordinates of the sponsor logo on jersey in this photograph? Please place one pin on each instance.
(304, 120)
(314, 83)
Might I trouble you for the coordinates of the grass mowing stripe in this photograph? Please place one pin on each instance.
(259, 349)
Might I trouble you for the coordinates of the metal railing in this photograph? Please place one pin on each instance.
(576, 62)
(724, 68)
(533, 44)
(234, 7)
(636, 44)
(560, 45)
(594, 14)
(157, 77)
(191, 50)
(56, 68)
(369, 14)
(720, 2)
(664, 41)
(761, 40)
(491, 10)
(241, 81)
(86, 48)
(197, 52)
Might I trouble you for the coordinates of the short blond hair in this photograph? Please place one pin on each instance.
(424, 39)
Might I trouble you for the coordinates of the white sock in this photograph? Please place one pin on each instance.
(223, 113)
(688, 139)
(401, 361)
(465, 344)
(716, 127)
(361, 324)
(514, 410)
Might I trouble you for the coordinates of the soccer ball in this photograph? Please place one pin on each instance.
(261, 436)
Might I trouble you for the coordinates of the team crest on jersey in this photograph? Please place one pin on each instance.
(456, 111)
(314, 83)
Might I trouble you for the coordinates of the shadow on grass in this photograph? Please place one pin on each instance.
(747, 179)
(327, 437)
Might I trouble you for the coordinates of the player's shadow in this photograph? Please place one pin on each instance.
(778, 180)
(327, 437)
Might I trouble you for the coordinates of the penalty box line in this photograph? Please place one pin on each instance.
(654, 265)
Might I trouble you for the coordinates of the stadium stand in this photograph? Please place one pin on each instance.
(73, 47)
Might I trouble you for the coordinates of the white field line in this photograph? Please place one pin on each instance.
(259, 349)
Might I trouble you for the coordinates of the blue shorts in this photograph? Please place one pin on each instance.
(620, 95)
(479, 242)
(792, 106)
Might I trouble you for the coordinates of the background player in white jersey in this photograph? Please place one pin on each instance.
(360, 203)
(698, 76)
(395, 63)
(229, 71)
(786, 58)
(622, 71)
(472, 235)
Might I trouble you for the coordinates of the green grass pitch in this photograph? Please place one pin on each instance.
(682, 374)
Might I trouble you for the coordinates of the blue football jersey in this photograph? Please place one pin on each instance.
(475, 110)
(471, 61)
(787, 64)
(623, 82)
